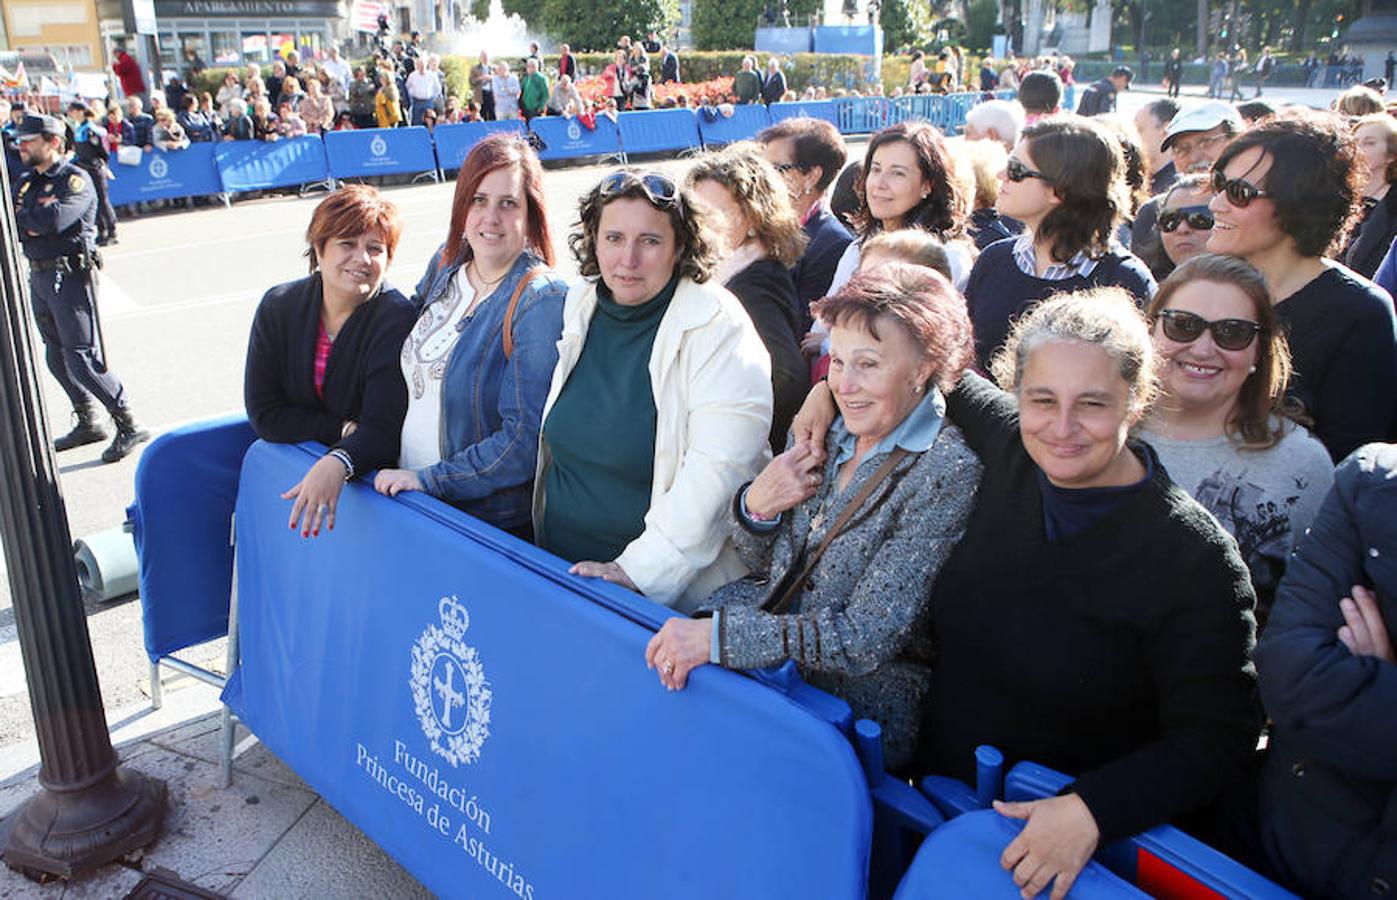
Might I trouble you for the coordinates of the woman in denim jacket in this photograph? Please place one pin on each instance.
(479, 360)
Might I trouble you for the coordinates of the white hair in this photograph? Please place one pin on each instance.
(1005, 116)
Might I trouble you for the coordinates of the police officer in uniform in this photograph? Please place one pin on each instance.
(56, 211)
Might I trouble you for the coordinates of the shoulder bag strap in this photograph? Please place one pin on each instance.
(508, 334)
(793, 586)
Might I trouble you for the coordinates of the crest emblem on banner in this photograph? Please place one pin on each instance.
(574, 131)
(449, 690)
(378, 146)
(158, 167)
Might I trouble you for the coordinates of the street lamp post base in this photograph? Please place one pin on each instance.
(67, 833)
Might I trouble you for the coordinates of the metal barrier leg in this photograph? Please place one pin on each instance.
(156, 693)
(229, 728)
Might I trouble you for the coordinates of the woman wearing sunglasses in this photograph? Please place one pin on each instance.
(1284, 193)
(1093, 618)
(1065, 183)
(1220, 427)
(478, 361)
(1184, 221)
(660, 405)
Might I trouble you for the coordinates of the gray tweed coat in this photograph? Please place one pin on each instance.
(858, 628)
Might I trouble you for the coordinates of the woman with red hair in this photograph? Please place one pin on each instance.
(479, 360)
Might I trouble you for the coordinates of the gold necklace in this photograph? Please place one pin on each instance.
(488, 283)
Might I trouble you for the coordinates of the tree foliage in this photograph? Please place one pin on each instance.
(899, 31)
(732, 24)
(602, 24)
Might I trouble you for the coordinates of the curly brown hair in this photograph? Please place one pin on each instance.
(757, 188)
(698, 257)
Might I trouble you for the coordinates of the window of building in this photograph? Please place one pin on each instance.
(225, 48)
(255, 47)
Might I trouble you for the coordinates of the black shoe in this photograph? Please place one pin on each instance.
(128, 436)
(87, 430)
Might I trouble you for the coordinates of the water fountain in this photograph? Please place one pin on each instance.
(500, 34)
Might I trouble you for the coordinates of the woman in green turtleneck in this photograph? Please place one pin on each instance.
(660, 404)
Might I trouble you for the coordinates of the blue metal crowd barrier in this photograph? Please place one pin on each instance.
(166, 174)
(258, 166)
(234, 166)
(453, 142)
(567, 138)
(654, 131)
(488, 719)
(379, 151)
(746, 121)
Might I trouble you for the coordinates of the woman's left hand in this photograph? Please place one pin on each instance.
(678, 648)
(394, 481)
(606, 571)
(316, 496)
(1058, 841)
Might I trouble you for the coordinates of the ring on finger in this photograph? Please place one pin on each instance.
(669, 667)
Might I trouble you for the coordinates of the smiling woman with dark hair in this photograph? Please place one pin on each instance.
(660, 405)
(1285, 192)
(322, 362)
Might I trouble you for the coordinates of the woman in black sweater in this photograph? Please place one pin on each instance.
(322, 362)
(1093, 618)
(1284, 192)
(759, 239)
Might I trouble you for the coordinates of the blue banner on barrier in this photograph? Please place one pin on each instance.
(814, 109)
(650, 131)
(491, 723)
(566, 138)
(257, 166)
(745, 122)
(164, 174)
(863, 40)
(453, 142)
(784, 41)
(379, 151)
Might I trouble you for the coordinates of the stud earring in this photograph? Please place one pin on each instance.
(916, 388)
(1251, 371)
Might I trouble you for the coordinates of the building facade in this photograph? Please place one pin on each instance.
(67, 29)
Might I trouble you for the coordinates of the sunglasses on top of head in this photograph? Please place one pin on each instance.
(1239, 191)
(1199, 218)
(1230, 334)
(659, 189)
(1016, 171)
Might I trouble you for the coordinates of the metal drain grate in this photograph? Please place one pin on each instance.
(165, 885)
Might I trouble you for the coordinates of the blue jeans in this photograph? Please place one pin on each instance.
(419, 109)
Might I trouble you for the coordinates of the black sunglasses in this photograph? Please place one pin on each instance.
(783, 168)
(1230, 334)
(1199, 218)
(1017, 171)
(661, 191)
(1239, 191)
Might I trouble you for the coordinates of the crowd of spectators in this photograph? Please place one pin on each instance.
(1014, 437)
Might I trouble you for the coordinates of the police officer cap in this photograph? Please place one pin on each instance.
(33, 125)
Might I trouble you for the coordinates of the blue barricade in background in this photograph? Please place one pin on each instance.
(453, 142)
(490, 722)
(379, 151)
(565, 138)
(784, 41)
(255, 166)
(862, 115)
(927, 107)
(186, 487)
(657, 130)
(165, 174)
(864, 40)
(746, 122)
(815, 109)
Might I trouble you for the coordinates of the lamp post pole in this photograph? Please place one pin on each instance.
(89, 810)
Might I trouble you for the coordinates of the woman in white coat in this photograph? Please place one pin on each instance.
(660, 405)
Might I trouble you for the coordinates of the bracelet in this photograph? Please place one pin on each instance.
(345, 461)
(344, 429)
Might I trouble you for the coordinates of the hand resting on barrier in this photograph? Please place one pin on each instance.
(1057, 841)
(393, 482)
(678, 648)
(606, 571)
(316, 496)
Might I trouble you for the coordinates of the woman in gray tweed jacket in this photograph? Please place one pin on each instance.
(888, 495)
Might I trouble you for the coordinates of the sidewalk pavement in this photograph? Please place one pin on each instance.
(1319, 98)
(267, 835)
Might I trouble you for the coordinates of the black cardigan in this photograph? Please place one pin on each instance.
(1120, 655)
(363, 377)
(767, 292)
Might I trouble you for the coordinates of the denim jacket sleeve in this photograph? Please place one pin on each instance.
(507, 457)
(422, 294)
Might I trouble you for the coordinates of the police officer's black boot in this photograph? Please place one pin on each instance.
(128, 435)
(87, 430)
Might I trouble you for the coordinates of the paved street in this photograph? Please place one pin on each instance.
(179, 293)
